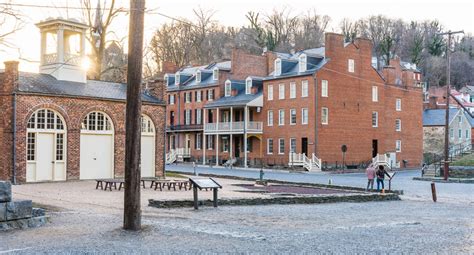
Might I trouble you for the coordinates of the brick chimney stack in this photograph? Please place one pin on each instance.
(157, 88)
(10, 77)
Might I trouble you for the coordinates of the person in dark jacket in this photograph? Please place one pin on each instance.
(380, 177)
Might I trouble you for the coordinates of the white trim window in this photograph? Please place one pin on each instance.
(398, 125)
(225, 144)
(375, 94)
(198, 116)
(199, 96)
(281, 146)
(324, 116)
(398, 146)
(459, 133)
(292, 89)
(398, 104)
(177, 77)
(277, 67)
(324, 88)
(210, 95)
(350, 65)
(198, 141)
(171, 98)
(270, 118)
(167, 79)
(302, 63)
(292, 145)
(227, 88)
(460, 119)
(281, 117)
(281, 91)
(210, 142)
(248, 86)
(292, 116)
(375, 119)
(215, 74)
(304, 116)
(467, 133)
(270, 93)
(270, 146)
(451, 133)
(304, 88)
(187, 117)
(198, 76)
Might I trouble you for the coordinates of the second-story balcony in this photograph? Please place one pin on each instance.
(184, 128)
(255, 127)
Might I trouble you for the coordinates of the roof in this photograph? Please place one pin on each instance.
(47, 84)
(409, 66)
(241, 99)
(188, 76)
(437, 117)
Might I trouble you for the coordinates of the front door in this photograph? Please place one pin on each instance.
(171, 118)
(45, 159)
(96, 158)
(237, 147)
(375, 149)
(304, 146)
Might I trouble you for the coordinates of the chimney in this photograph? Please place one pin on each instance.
(156, 88)
(389, 73)
(270, 56)
(332, 43)
(169, 67)
(432, 103)
(10, 77)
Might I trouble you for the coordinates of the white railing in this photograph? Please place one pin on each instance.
(381, 159)
(171, 156)
(234, 127)
(183, 152)
(50, 58)
(300, 159)
(70, 59)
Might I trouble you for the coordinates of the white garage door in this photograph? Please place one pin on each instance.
(97, 147)
(147, 148)
(46, 147)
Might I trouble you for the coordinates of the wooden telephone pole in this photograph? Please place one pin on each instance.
(132, 215)
(448, 92)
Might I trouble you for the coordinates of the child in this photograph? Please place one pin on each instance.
(370, 176)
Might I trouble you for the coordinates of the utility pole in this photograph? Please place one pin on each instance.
(448, 93)
(132, 211)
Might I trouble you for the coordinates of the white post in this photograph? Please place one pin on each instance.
(204, 147)
(43, 47)
(83, 45)
(60, 46)
(217, 150)
(246, 112)
(231, 121)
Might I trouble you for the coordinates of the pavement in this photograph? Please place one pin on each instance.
(413, 225)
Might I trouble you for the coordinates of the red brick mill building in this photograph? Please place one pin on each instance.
(57, 125)
(285, 108)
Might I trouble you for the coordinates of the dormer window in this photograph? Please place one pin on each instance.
(277, 67)
(198, 76)
(215, 73)
(227, 88)
(302, 63)
(248, 86)
(166, 78)
(176, 78)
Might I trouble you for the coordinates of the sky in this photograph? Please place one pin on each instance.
(453, 15)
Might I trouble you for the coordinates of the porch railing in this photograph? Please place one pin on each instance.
(252, 126)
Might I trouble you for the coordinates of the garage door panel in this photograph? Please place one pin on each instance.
(148, 156)
(96, 156)
(45, 160)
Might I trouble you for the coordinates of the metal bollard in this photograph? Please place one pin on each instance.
(433, 191)
(330, 182)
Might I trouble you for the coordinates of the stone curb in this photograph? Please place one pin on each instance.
(33, 222)
(354, 198)
(397, 192)
(450, 180)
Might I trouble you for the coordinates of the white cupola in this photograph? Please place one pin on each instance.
(63, 49)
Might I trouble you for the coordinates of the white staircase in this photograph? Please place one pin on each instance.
(381, 160)
(171, 157)
(300, 159)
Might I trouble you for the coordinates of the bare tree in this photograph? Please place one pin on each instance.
(349, 29)
(99, 20)
(310, 30)
(10, 22)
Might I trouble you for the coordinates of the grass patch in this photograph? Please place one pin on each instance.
(467, 160)
(174, 175)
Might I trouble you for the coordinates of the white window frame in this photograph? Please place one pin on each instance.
(375, 94)
(187, 97)
(451, 133)
(304, 116)
(228, 89)
(398, 146)
(177, 78)
(291, 116)
(460, 133)
(398, 104)
(324, 116)
(398, 125)
(281, 91)
(198, 76)
(281, 117)
(270, 118)
(292, 142)
(199, 96)
(171, 98)
(198, 141)
(167, 79)
(270, 93)
(304, 88)
(210, 95)
(248, 86)
(376, 115)
(187, 117)
(350, 65)
(281, 149)
(269, 141)
(198, 116)
(302, 63)
(277, 71)
(292, 89)
(467, 133)
(215, 74)
(324, 88)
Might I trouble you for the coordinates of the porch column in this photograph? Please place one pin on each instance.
(246, 112)
(204, 147)
(217, 150)
(231, 121)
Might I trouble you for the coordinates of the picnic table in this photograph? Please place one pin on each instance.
(155, 182)
(109, 183)
(182, 184)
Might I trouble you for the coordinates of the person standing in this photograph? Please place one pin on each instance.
(380, 177)
(370, 171)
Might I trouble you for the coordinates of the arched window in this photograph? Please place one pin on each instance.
(177, 78)
(227, 88)
(45, 119)
(198, 76)
(97, 121)
(147, 125)
(248, 86)
(277, 67)
(302, 63)
(215, 74)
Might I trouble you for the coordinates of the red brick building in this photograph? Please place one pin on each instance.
(57, 125)
(309, 104)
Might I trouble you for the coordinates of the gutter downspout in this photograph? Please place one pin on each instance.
(165, 143)
(14, 141)
(316, 123)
